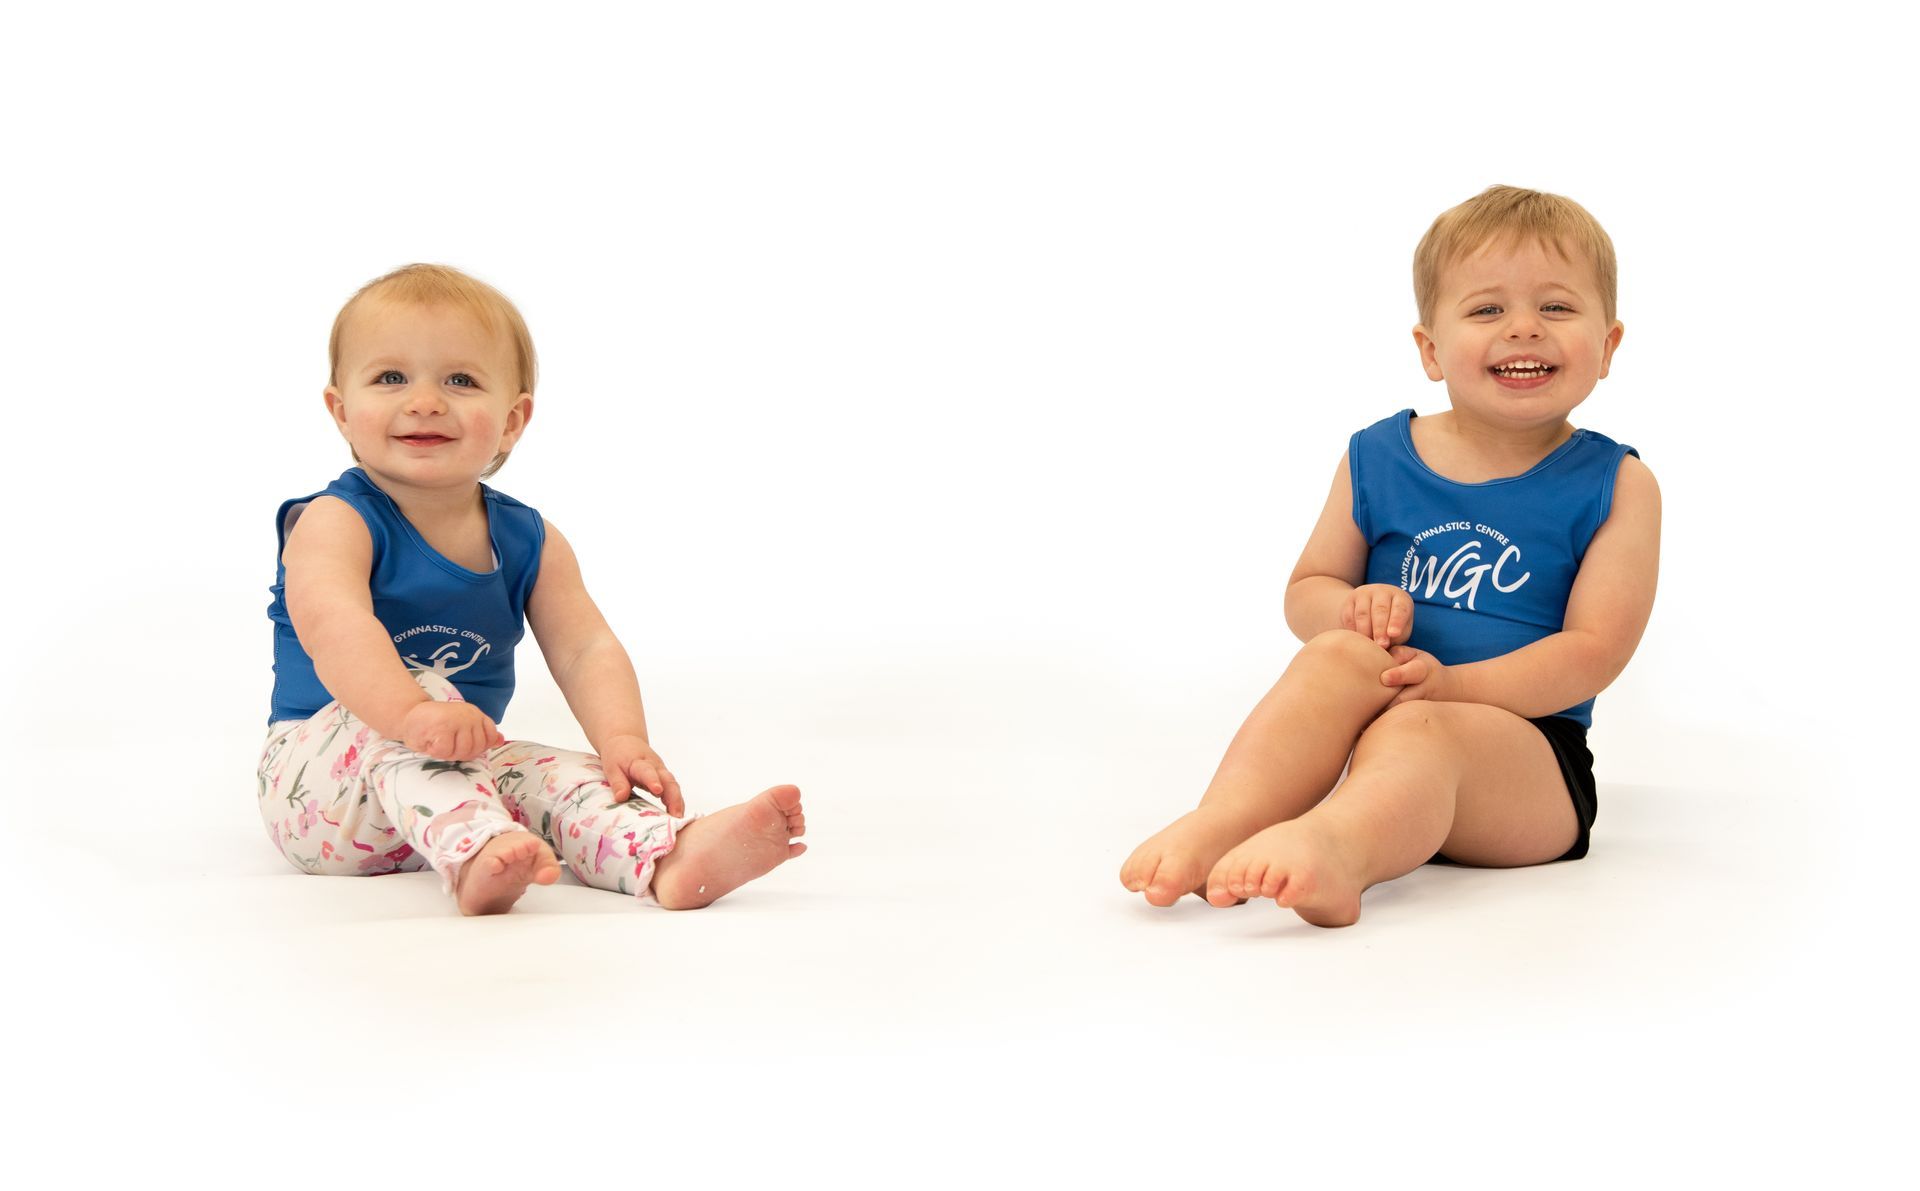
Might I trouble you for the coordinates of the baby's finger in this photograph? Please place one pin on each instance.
(1398, 618)
(645, 774)
(675, 803)
(1346, 615)
(1382, 617)
(619, 784)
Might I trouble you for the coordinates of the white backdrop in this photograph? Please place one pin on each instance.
(938, 397)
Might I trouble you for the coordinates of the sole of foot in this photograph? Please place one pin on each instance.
(500, 872)
(715, 855)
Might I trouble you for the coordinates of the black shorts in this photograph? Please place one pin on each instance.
(1569, 742)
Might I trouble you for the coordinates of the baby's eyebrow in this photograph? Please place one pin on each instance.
(1497, 290)
(385, 362)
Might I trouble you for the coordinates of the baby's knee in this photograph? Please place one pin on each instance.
(1347, 650)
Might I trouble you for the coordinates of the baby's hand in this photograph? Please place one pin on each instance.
(449, 731)
(1418, 674)
(631, 761)
(1380, 612)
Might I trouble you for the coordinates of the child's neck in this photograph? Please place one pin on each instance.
(429, 509)
(1502, 449)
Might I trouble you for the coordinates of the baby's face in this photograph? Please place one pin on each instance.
(1519, 335)
(426, 395)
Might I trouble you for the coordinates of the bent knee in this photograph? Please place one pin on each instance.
(1348, 648)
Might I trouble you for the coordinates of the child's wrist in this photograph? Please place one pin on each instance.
(605, 740)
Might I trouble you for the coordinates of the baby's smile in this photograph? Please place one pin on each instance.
(1523, 372)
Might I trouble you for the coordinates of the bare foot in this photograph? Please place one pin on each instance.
(1301, 865)
(501, 870)
(716, 855)
(1176, 861)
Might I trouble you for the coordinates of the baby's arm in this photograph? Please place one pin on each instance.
(1607, 612)
(329, 556)
(595, 674)
(1326, 590)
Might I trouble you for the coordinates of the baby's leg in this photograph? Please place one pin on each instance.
(634, 846)
(1283, 760)
(314, 800)
(1477, 782)
(339, 800)
(563, 795)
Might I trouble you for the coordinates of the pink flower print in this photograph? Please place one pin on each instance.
(326, 849)
(400, 853)
(456, 817)
(306, 817)
(543, 760)
(363, 847)
(607, 848)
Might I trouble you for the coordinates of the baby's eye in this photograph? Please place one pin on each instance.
(1558, 306)
(390, 377)
(461, 379)
(1485, 310)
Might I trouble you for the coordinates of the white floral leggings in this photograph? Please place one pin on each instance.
(340, 801)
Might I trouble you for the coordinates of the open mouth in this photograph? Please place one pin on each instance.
(1524, 370)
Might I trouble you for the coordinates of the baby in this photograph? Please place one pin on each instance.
(1475, 579)
(404, 587)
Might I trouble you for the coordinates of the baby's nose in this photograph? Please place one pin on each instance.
(1524, 325)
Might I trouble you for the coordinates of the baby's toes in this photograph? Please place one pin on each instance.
(1166, 884)
(1294, 887)
(1223, 881)
(1272, 881)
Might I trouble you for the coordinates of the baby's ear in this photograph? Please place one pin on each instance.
(1608, 345)
(519, 414)
(1429, 358)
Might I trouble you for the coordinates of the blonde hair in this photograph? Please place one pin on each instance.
(1511, 215)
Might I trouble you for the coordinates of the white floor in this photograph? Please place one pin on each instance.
(952, 982)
